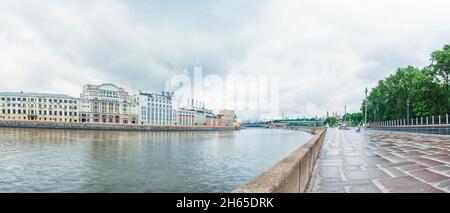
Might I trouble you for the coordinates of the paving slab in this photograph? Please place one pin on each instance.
(382, 161)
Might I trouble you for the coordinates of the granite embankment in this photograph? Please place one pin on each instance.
(109, 127)
(290, 175)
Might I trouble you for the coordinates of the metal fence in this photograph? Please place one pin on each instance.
(429, 125)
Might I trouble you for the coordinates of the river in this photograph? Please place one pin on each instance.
(44, 160)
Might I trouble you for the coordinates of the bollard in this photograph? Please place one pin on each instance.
(432, 122)
(439, 119)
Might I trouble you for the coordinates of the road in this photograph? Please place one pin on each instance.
(382, 162)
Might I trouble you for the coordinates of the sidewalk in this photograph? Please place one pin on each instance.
(380, 161)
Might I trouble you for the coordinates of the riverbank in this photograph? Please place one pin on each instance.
(107, 127)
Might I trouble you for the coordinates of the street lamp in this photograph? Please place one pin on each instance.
(365, 109)
(407, 112)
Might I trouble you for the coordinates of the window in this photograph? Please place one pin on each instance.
(13, 99)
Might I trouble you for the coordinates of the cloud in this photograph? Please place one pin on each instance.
(325, 52)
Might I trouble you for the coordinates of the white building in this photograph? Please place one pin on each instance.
(107, 103)
(156, 109)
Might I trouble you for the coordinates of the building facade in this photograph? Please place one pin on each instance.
(229, 116)
(110, 104)
(156, 109)
(107, 103)
(43, 107)
(185, 117)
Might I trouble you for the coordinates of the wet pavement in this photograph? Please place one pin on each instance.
(382, 162)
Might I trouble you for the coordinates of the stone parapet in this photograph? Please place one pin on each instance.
(290, 175)
(112, 127)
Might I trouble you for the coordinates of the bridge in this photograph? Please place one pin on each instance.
(283, 123)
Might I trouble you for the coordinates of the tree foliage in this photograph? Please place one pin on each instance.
(422, 92)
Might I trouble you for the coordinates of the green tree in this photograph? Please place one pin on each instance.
(440, 69)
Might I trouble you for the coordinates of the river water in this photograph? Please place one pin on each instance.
(38, 160)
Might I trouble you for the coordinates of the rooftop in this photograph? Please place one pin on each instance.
(27, 94)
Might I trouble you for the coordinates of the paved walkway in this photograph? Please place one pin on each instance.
(380, 161)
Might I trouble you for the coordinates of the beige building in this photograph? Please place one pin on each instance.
(38, 107)
(229, 116)
(107, 103)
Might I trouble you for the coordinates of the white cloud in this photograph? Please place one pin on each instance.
(325, 52)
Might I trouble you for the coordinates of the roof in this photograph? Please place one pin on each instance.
(27, 94)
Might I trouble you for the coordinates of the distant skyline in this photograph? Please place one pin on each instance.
(325, 52)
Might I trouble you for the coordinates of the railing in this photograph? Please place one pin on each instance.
(439, 124)
(413, 122)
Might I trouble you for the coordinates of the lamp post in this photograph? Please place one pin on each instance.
(365, 109)
(407, 112)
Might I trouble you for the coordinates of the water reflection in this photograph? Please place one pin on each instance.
(39, 160)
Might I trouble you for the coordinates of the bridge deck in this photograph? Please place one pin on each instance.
(382, 161)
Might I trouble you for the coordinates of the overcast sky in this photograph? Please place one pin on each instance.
(325, 52)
